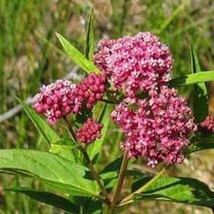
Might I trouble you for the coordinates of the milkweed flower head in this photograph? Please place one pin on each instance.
(57, 100)
(89, 132)
(157, 127)
(208, 124)
(135, 63)
(91, 89)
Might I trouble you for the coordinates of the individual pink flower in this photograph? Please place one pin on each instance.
(57, 100)
(135, 63)
(89, 132)
(156, 127)
(208, 124)
(91, 89)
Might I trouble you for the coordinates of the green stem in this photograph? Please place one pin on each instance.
(89, 162)
(119, 183)
(129, 199)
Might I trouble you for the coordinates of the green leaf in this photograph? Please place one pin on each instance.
(94, 148)
(41, 125)
(47, 198)
(176, 189)
(67, 149)
(204, 76)
(200, 97)
(77, 56)
(200, 144)
(89, 46)
(57, 172)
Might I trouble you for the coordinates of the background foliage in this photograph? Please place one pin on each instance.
(30, 55)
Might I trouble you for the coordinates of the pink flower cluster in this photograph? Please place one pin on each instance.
(91, 89)
(62, 97)
(208, 124)
(57, 100)
(89, 132)
(156, 127)
(137, 63)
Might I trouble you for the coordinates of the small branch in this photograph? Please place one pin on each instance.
(119, 183)
(70, 128)
(90, 164)
(129, 199)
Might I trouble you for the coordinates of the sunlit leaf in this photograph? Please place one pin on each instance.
(200, 97)
(204, 76)
(176, 189)
(89, 46)
(57, 172)
(77, 56)
(41, 125)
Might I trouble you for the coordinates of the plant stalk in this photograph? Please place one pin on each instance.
(129, 199)
(89, 162)
(116, 194)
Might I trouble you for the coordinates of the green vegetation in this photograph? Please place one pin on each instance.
(31, 55)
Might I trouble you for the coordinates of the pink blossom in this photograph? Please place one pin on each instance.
(135, 63)
(156, 127)
(57, 100)
(208, 124)
(89, 132)
(91, 89)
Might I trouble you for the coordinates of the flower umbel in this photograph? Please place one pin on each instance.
(89, 132)
(57, 100)
(134, 63)
(208, 124)
(91, 89)
(157, 127)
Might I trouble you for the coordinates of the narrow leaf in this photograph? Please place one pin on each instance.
(89, 46)
(204, 76)
(77, 56)
(94, 148)
(176, 189)
(200, 144)
(200, 97)
(41, 125)
(51, 169)
(47, 198)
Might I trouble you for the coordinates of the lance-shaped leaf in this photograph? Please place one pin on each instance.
(77, 56)
(176, 189)
(55, 171)
(200, 143)
(204, 76)
(47, 198)
(41, 125)
(89, 45)
(200, 97)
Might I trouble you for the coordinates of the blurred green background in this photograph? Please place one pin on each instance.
(30, 55)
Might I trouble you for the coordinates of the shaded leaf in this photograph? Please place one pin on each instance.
(200, 144)
(89, 46)
(77, 56)
(176, 189)
(51, 169)
(200, 97)
(48, 198)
